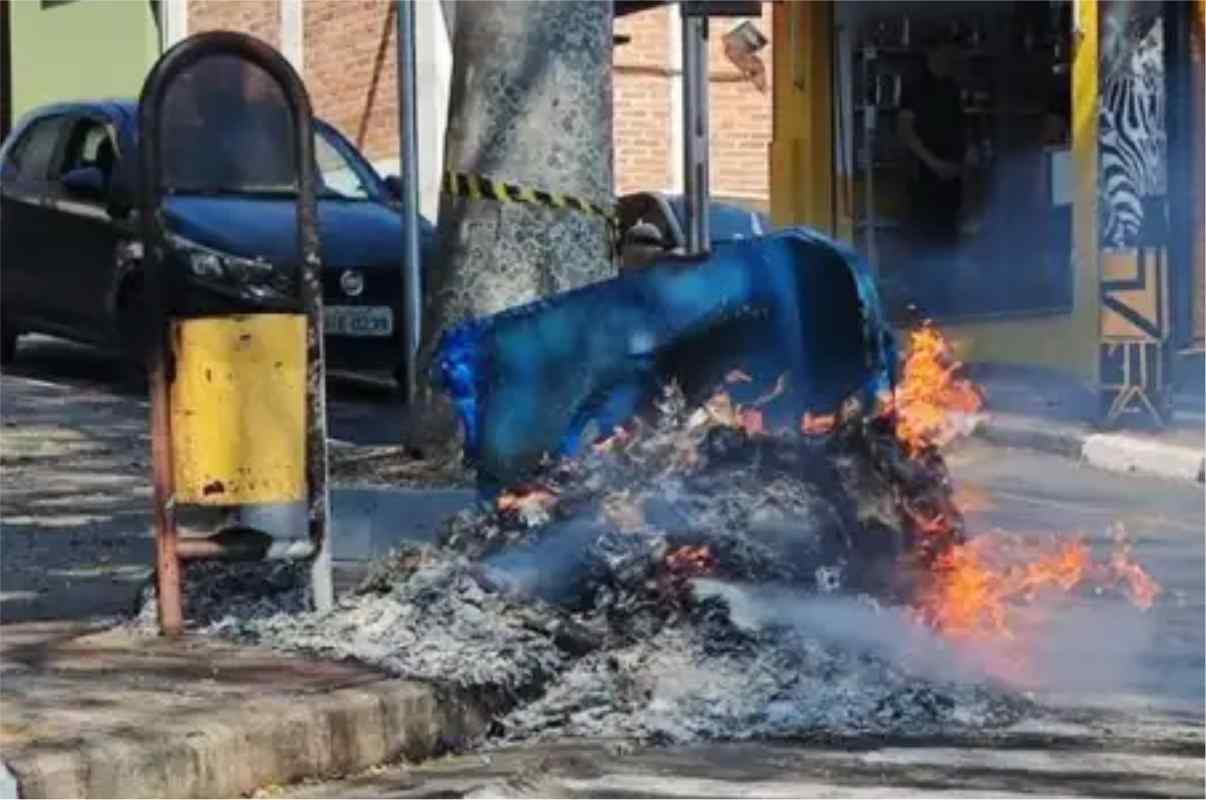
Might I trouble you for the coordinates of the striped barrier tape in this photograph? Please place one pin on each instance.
(478, 187)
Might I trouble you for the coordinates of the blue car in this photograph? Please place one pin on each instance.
(656, 225)
(71, 257)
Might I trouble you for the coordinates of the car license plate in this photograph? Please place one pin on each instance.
(358, 320)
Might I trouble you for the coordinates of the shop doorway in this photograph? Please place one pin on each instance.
(953, 151)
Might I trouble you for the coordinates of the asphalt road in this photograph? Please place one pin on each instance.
(1159, 765)
(76, 543)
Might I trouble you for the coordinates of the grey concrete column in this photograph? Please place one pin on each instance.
(530, 103)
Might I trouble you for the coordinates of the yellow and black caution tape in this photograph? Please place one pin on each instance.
(479, 187)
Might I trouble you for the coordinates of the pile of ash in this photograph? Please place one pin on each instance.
(693, 578)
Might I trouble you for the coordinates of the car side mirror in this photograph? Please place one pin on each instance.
(86, 183)
(393, 185)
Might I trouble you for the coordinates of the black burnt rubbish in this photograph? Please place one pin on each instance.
(595, 532)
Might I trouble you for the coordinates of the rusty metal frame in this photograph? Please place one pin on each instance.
(169, 551)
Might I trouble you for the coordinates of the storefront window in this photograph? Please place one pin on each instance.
(954, 152)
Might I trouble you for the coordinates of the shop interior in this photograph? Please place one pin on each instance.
(953, 150)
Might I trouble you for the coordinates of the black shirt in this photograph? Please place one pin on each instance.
(938, 116)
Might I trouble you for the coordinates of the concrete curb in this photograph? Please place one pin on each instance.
(1112, 452)
(271, 742)
(1118, 453)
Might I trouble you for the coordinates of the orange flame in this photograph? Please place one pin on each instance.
(817, 424)
(930, 401)
(977, 588)
(688, 560)
(750, 420)
(985, 588)
(1140, 587)
(525, 499)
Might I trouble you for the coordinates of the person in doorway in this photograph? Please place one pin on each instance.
(931, 124)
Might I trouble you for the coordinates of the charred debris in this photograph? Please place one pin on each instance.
(692, 576)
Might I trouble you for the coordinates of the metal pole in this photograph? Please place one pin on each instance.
(695, 150)
(167, 563)
(318, 499)
(159, 363)
(408, 133)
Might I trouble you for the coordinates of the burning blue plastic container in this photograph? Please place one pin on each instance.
(531, 380)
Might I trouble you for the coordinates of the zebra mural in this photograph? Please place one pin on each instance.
(1132, 186)
(1132, 142)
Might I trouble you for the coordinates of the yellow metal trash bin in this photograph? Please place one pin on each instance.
(238, 409)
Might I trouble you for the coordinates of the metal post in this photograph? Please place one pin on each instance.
(169, 551)
(159, 366)
(408, 133)
(317, 497)
(695, 151)
(167, 563)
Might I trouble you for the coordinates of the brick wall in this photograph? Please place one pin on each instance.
(645, 77)
(260, 18)
(740, 119)
(642, 126)
(351, 76)
(351, 70)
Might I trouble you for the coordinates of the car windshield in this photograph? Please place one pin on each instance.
(342, 172)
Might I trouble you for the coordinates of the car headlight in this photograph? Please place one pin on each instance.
(212, 265)
(205, 265)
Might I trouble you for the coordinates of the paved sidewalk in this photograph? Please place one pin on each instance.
(109, 713)
(1045, 412)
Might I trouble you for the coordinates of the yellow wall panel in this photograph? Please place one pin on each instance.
(801, 153)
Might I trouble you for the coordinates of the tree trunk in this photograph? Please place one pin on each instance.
(530, 104)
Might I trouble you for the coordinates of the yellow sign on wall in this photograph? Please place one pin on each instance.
(239, 409)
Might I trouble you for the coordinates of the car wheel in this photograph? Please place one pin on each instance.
(8, 346)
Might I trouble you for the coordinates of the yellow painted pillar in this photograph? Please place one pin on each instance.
(1086, 242)
(801, 150)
